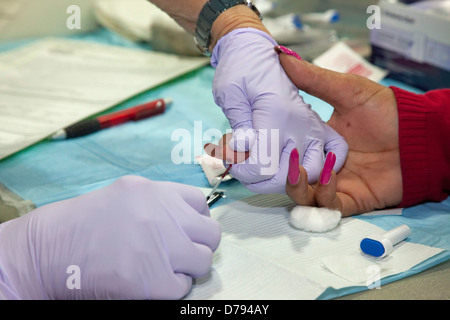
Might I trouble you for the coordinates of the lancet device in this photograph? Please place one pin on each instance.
(383, 245)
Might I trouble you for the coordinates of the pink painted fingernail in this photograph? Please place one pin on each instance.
(327, 168)
(294, 172)
(289, 52)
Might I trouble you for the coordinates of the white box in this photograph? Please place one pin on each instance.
(413, 44)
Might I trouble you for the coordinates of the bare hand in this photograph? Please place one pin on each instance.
(365, 114)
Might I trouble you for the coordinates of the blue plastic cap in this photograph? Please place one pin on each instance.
(335, 17)
(297, 22)
(372, 247)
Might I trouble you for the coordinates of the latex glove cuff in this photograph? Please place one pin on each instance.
(220, 47)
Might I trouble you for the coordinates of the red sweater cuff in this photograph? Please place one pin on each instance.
(423, 164)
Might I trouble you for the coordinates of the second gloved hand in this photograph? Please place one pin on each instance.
(268, 116)
(134, 239)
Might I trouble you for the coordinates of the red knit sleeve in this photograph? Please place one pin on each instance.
(424, 142)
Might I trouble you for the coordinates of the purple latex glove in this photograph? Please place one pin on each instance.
(267, 114)
(134, 239)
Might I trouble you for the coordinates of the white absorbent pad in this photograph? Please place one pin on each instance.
(261, 256)
(213, 169)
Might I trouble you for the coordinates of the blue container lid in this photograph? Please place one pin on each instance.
(372, 247)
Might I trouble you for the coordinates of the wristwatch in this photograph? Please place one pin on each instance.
(209, 13)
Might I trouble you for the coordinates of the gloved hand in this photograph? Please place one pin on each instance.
(134, 239)
(267, 114)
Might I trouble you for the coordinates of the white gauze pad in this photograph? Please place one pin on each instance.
(312, 219)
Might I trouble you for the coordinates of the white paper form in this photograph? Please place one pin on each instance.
(54, 83)
(341, 58)
(262, 257)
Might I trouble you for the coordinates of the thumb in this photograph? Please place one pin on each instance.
(335, 88)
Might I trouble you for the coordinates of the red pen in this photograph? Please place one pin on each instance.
(88, 126)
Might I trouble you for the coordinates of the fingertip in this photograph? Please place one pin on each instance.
(289, 52)
(290, 65)
(301, 193)
(242, 139)
(182, 286)
(216, 236)
(326, 194)
(223, 151)
(294, 171)
(204, 258)
(205, 230)
(210, 149)
(326, 174)
(313, 160)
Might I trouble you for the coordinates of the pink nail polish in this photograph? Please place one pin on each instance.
(287, 51)
(294, 172)
(327, 168)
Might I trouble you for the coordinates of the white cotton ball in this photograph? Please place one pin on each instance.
(314, 219)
